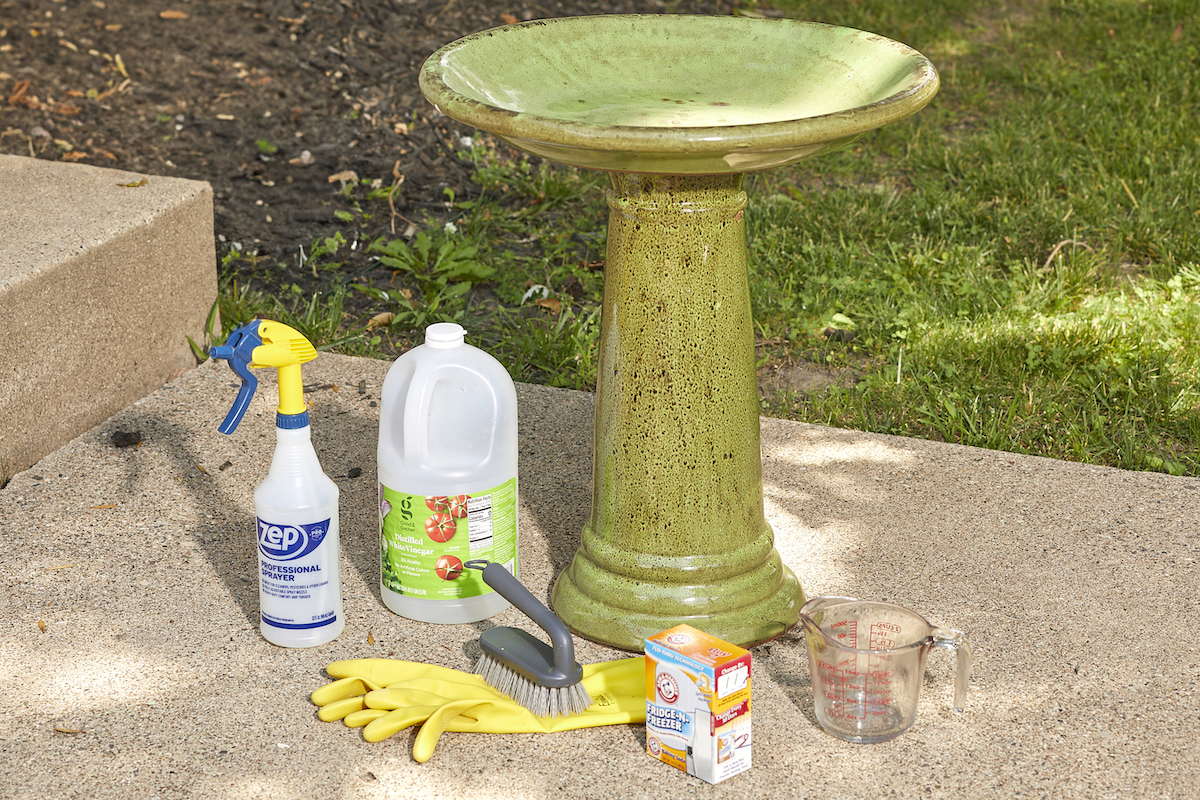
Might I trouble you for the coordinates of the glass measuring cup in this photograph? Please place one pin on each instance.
(867, 659)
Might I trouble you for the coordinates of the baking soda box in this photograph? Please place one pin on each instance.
(698, 703)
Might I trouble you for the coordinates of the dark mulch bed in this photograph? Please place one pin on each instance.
(264, 99)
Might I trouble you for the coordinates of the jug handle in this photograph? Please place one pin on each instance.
(955, 641)
(415, 433)
(418, 412)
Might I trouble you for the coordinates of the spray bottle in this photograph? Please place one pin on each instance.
(299, 574)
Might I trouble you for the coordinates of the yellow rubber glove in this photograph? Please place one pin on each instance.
(387, 696)
(358, 677)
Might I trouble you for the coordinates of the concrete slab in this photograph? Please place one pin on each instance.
(1077, 585)
(103, 275)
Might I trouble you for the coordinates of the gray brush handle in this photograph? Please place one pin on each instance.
(506, 584)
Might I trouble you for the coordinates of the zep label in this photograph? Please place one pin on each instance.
(297, 574)
(290, 542)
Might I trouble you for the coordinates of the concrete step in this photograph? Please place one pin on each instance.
(103, 276)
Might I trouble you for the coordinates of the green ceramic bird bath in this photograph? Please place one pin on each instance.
(677, 109)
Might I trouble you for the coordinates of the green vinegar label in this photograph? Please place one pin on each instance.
(425, 540)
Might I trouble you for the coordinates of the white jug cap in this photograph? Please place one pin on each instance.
(444, 335)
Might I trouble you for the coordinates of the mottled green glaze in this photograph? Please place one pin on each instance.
(677, 94)
(677, 531)
(677, 108)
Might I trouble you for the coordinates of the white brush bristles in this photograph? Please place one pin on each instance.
(542, 701)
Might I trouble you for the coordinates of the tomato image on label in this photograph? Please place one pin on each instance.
(440, 527)
(457, 505)
(449, 567)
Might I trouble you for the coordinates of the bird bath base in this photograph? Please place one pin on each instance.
(677, 532)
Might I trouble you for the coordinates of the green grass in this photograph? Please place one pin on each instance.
(1019, 263)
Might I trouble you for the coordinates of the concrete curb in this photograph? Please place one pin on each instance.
(103, 276)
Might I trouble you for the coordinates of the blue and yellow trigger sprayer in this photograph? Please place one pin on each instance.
(300, 584)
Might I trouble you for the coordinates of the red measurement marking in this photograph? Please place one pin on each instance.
(883, 635)
(846, 632)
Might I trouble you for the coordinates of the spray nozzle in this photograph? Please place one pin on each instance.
(266, 343)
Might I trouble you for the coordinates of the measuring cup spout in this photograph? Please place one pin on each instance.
(812, 613)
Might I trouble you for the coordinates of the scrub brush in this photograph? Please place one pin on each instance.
(543, 679)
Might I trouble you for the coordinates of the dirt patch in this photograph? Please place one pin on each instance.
(777, 382)
(804, 379)
(279, 104)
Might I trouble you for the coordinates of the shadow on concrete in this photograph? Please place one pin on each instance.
(555, 435)
(223, 502)
(223, 529)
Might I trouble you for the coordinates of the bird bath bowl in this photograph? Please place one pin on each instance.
(677, 109)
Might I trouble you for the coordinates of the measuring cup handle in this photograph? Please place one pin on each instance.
(956, 641)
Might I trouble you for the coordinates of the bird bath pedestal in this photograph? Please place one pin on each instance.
(676, 109)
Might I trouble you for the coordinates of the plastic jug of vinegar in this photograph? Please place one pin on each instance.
(447, 478)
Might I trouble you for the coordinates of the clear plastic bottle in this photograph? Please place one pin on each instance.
(299, 563)
(447, 479)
